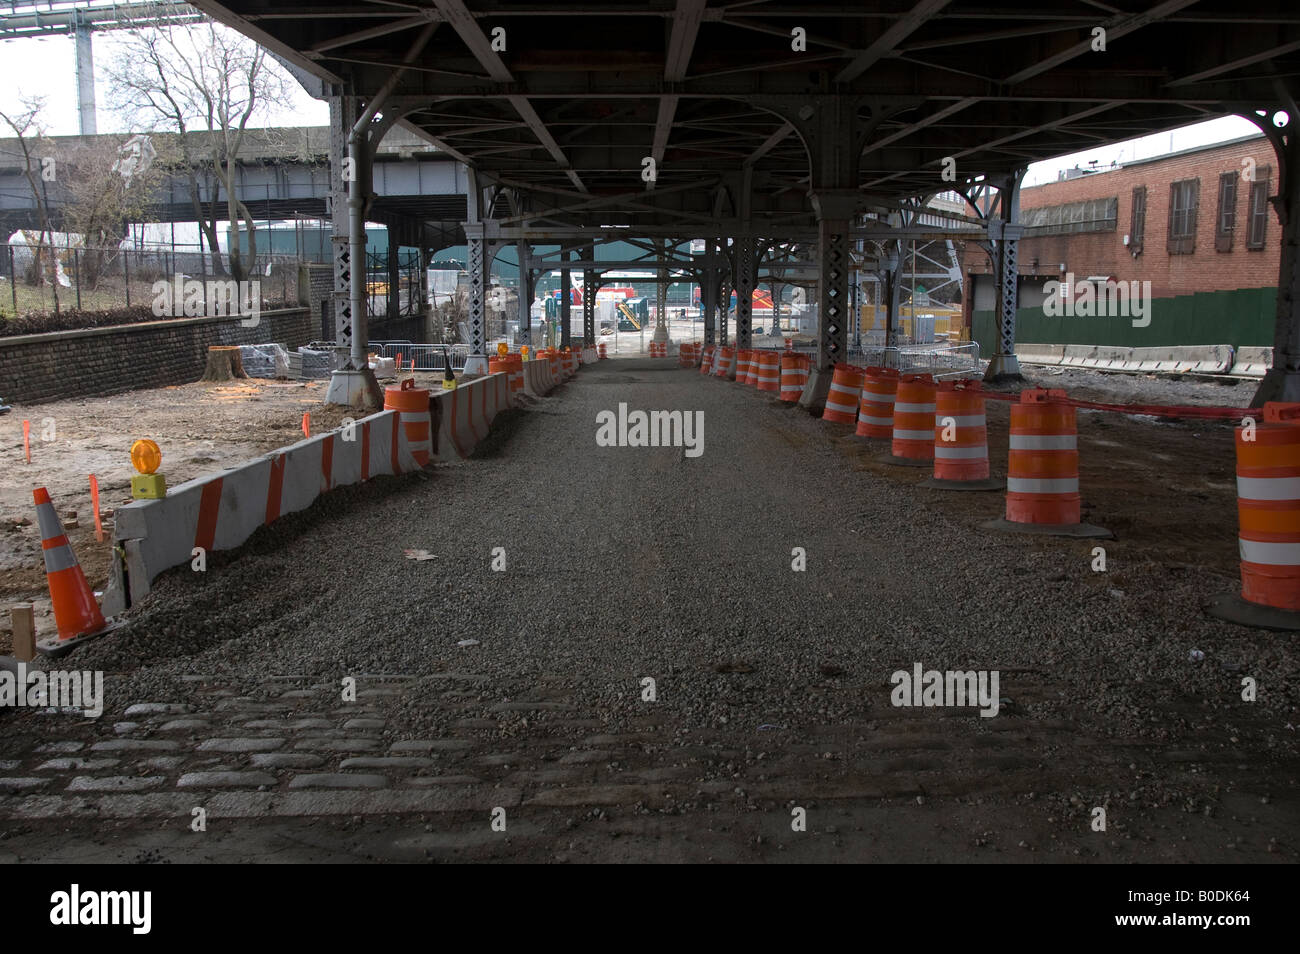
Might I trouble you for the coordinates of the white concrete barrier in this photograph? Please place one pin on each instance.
(465, 414)
(1198, 359)
(538, 381)
(1254, 362)
(221, 511)
(1040, 353)
(590, 355)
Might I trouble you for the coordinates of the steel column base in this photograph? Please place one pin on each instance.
(1233, 609)
(1279, 384)
(816, 390)
(476, 364)
(1003, 367)
(352, 388)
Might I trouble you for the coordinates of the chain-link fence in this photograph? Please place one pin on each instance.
(174, 281)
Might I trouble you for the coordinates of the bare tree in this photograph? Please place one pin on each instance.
(30, 133)
(102, 194)
(207, 84)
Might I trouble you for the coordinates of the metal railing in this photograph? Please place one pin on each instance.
(422, 357)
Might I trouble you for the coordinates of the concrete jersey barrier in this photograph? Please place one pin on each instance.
(221, 511)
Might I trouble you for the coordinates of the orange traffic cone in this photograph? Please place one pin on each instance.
(75, 611)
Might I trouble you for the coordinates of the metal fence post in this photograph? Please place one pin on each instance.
(126, 276)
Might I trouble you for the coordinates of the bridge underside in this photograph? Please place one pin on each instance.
(761, 123)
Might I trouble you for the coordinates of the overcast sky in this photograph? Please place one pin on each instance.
(46, 67)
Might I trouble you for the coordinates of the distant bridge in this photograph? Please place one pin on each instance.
(421, 192)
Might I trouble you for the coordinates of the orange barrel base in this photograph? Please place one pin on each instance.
(412, 407)
(846, 389)
(722, 362)
(794, 375)
(876, 409)
(961, 444)
(706, 361)
(913, 437)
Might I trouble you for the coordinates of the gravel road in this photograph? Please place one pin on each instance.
(772, 686)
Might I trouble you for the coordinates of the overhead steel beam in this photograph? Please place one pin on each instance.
(888, 41)
(463, 22)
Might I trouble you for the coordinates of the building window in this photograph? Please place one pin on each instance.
(1257, 227)
(1138, 226)
(1184, 196)
(1226, 223)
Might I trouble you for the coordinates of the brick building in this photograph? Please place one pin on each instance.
(1196, 224)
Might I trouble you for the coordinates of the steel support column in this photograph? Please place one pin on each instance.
(476, 265)
(743, 268)
(709, 294)
(1005, 231)
(85, 76)
(1282, 381)
(525, 304)
(566, 305)
(590, 285)
(661, 297)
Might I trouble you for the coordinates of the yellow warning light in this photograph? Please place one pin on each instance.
(523, 350)
(503, 349)
(145, 456)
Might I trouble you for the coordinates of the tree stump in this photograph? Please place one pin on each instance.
(224, 364)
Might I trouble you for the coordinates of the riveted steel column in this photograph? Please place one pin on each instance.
(743, 270)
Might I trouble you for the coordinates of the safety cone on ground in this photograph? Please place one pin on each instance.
(961, 443)
(76, 613)
(1268, 515)
(1043, 469)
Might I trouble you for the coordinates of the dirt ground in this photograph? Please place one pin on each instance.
(200, 428)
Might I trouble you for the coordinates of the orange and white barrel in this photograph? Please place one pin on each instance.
(1268, 507)
(845, 391)
(913, 436)
(876, 409)
(414, 415)
(1043, 461)
(768, 377)
(751, 379)
(600, 350)
(961, 442)
(794, 375)
(744, 357)
(706, 362)
(722, 361)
